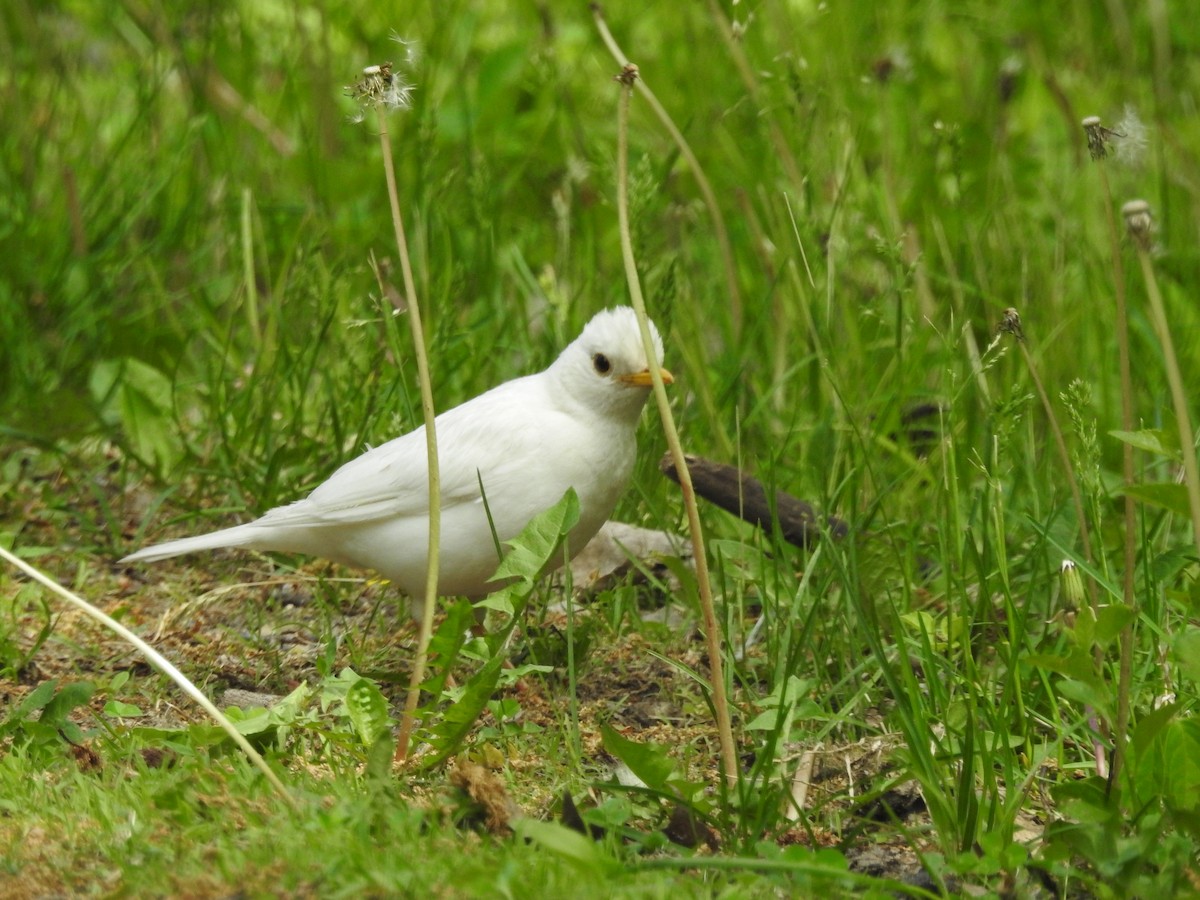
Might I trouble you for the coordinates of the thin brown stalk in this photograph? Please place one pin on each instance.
(711, 631)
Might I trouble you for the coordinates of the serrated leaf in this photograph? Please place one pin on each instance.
(537, 544)
(460, 717)
(1164, 495)
(291, 708)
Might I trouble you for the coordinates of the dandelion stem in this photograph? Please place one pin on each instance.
(720, 701)
(435, 505)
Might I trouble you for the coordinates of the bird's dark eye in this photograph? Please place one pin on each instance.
(601, 364)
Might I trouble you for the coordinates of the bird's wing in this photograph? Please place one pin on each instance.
(391, 480)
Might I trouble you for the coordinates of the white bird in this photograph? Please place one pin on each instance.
(528, 440)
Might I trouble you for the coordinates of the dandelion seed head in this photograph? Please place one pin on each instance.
(1127, 141)
(382, 87)
(1131, 146)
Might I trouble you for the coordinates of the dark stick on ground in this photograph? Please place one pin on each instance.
(744, 495)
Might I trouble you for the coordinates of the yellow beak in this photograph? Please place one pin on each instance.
(645, 379)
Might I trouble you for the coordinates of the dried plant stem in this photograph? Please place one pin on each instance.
(711, 631)
(710, 197)
(1187, 437)
(435, 504)
(159, 662)
(1125, 670)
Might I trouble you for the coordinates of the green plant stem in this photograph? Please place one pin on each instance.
(435, 495)
(159, 662)
(710, 196)
(1125, 664)
(1187, 437)
(712, 638)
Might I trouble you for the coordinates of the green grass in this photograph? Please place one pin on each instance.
(192, 334)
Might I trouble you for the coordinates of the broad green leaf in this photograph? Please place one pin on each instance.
(1110, 620)
(648, 762)
(1186, 650)
(1167, 766)
(250, 722)
(1152, 440)
(379, 759)
(1164, 495)
(1088, 692)
(65, 700)
(120, 710)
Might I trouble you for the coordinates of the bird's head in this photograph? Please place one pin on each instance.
(606, 368)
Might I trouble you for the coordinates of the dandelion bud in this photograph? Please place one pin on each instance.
(1139, 222)
(1072, 586)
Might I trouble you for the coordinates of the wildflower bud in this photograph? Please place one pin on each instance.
(629, 74)
(1011, 324)
(1072, 586)
(1139, 222)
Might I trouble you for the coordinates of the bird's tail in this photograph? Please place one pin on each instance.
(237, 536)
